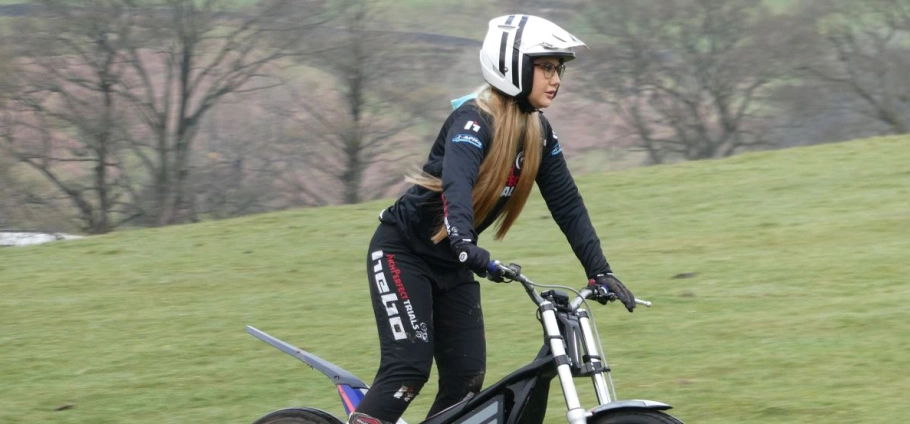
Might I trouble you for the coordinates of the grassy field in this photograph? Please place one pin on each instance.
(797, 312)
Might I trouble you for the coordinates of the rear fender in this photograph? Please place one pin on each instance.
(350, 388)
(338, 375)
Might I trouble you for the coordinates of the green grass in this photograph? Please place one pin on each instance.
(797, 312)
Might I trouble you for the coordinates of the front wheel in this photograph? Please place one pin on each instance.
(637, 416)
(298, 416)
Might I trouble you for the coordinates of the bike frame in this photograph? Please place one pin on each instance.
(570, 350)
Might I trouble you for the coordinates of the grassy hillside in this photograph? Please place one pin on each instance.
(797, 312)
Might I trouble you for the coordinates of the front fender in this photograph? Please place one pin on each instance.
(602, 410)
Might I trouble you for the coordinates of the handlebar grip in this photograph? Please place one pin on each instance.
(505, 274)
(493, 267)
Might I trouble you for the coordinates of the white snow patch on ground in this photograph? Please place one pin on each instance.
(10, 238)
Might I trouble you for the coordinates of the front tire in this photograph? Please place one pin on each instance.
(637, 416)
(298, 416)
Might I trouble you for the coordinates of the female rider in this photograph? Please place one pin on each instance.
(488, 154)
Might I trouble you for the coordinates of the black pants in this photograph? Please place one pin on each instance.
(422, 312)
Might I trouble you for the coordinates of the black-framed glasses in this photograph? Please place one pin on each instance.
(549, 69)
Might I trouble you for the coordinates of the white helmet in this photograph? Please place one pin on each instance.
(512, 42)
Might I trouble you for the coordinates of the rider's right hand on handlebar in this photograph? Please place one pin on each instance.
(476, 258)
(613, 286)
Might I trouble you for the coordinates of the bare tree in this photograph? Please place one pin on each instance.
(7, 202)
(200, 52)
(685, 78)
(10, 201)
(235, 169)
(30, 204)
(352, 130)
(107, 76)
(864, 58)
(63, 117)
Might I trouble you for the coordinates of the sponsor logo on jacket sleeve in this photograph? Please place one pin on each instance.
(557, 149)
(467, 138)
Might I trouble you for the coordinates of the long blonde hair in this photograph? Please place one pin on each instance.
(511, 126)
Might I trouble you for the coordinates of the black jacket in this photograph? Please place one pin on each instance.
(456, 155)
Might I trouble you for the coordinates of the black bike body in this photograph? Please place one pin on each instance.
(569, 351)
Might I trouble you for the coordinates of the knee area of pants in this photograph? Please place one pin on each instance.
(476, 382)
(472, 381)
(408, 390)
(412, 377)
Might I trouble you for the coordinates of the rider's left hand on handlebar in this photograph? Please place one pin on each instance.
(613, 285)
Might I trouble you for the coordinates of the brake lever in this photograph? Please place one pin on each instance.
(515, 269)
(507, 273)
(603, 296)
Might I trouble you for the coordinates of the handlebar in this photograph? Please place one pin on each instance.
(512, 272)
(587, 293)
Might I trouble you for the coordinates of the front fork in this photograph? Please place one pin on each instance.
(603, 385)
(576, 414)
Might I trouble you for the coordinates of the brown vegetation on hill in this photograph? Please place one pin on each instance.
(186, 110)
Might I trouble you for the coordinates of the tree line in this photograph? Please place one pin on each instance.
(156, 112)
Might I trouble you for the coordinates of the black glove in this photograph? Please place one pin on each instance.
(614, 286)
(475, 258)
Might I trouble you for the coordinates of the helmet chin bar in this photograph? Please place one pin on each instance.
(525, 105)
(521, 100)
